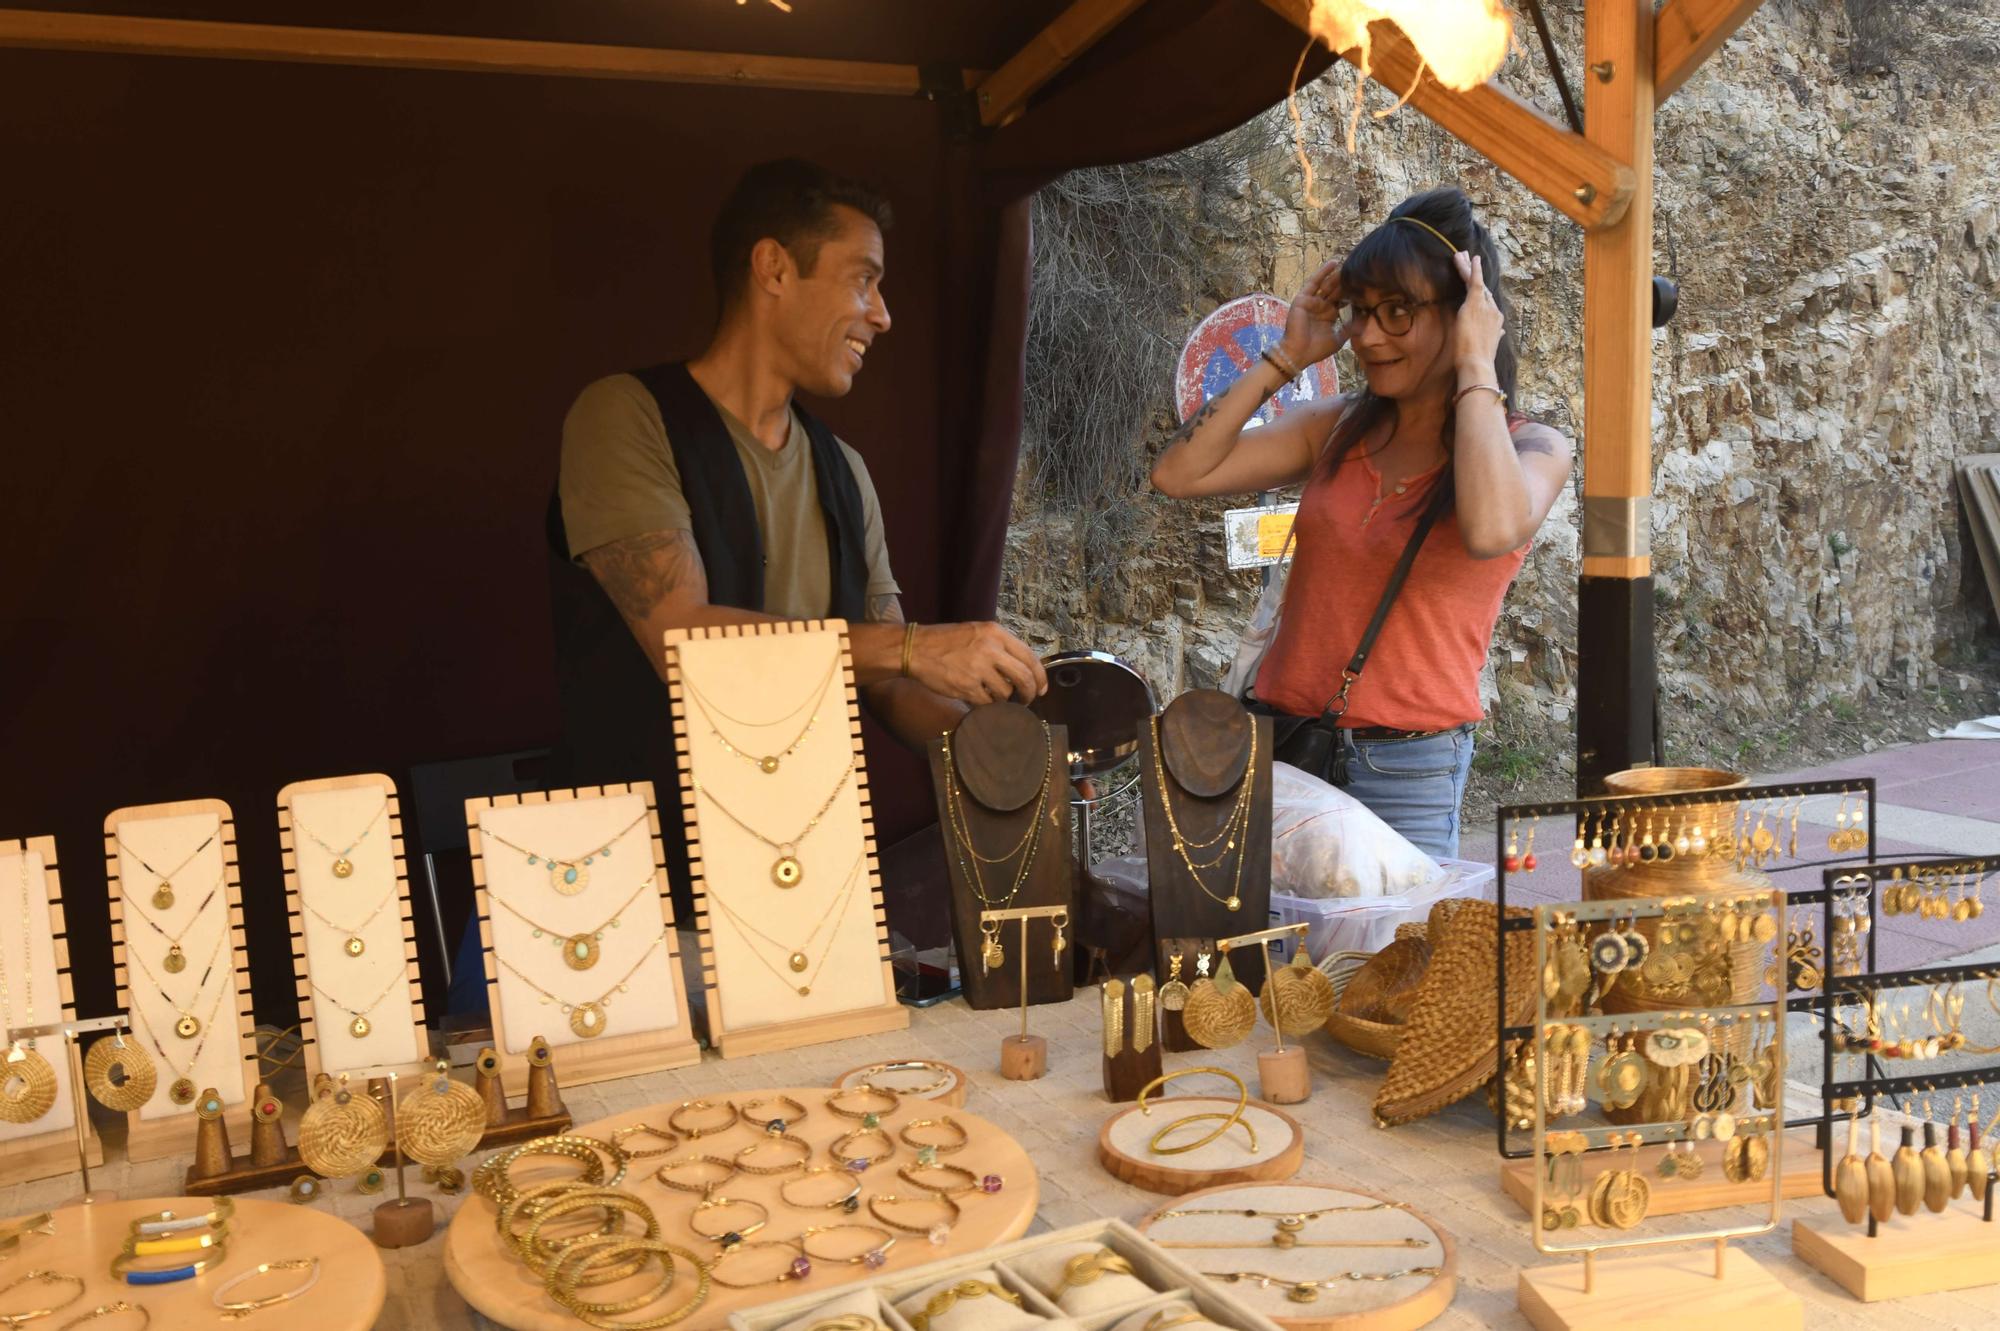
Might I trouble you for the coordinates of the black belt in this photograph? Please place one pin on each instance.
(1370, 734)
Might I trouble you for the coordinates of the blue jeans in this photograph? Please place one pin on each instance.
(1414, 785)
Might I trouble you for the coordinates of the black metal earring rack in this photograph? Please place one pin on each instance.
(1625, 806)
(1861, 884)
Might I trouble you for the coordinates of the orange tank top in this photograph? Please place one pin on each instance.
(1424, 671)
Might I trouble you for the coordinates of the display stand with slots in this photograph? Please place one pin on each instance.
(1206, 766)
(578, 928)
(1000, 778)
(1023, 1057)
(1937, 1232)
(1694, 1047)
(781, 837)
(347, 892)
(177, 919)
(31, 889)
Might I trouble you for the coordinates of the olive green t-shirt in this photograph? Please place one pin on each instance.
(618, 479)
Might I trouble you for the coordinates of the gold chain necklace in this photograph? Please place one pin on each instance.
(580, 950)
(766, 763)
(342, 866)
(163, 895)
(176, 960)
(798, 960)
(969, 858)
(360, 1027)
(786, 871)
(587, 1019)
(567, 876)
(187, 1027)
(182, 1090)
(1234, 827)
(353, 946)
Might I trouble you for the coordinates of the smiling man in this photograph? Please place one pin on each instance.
(701, 493)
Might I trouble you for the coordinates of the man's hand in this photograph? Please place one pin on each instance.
(976, 663)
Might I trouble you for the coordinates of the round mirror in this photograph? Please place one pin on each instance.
(1101, 701)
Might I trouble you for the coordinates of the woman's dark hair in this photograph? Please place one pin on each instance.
(1413, 263)
(790, 201)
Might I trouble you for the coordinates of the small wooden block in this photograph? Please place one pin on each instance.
(404, 1224)
(1668, 1291)
(1956, 1249)
(1024, 1057)
(1708, 1193)
(1283, 1076)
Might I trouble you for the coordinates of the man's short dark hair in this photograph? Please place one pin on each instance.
(792, 202)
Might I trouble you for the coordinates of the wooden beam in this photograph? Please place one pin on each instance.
(1688, 32)
(1568, 172)
(52, 31)
(1006, 91)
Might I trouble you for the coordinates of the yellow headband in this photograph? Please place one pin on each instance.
(1428, 227)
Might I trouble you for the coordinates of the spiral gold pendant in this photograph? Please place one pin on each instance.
(163, 897)
(342, 1134)
(343, 867)
(175, 961)
(441, 1124)
(27, 1086)
(579, 951)
(188, 1026)
(787, 871)
(120, 1076)
(587, 1020)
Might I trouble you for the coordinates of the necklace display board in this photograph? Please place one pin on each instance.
(492, 1278)
(1001, 783)
(578, 932)
(176, 902)
(344, 1283)
(35, 989)
(781, 835)
(1208, 833)
(354, 937)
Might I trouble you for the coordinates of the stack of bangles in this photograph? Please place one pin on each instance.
(1233, 1119)
(203, 1240)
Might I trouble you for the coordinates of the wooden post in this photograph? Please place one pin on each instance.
(1615, 666)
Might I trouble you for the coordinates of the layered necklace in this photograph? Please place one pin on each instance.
(1232, 834)
(186, 1027)
(353, 945)
(360, 1026)
(567, 876)
(182, 1090)
(786, 870)
(767, 762)
(176, 960)
(797, 959)
(163, 895)
(587, 1020)
(969, 858)
(580, 951)
(342, 867)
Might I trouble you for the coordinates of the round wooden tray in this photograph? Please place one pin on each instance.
(1399, 1305)
(1280, 1148)
(951, 1095)
(348, 1297)
(504, 1291)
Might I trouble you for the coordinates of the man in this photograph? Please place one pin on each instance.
(700, 493)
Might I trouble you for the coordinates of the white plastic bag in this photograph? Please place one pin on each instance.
(1326, 843)
(1260, 632)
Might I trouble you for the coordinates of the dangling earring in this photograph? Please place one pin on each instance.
(992, 955)
(1579, 857)
(1060, 921)
(1648, 852)
(1683, 843)
(1837, 839)
(1513, 859)
(1528, 860)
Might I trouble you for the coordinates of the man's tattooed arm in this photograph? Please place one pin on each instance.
(657, 581)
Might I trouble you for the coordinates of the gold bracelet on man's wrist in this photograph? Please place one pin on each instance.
(909, 647)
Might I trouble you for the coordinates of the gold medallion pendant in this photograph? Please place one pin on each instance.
(587, 1020)
(798, 961)
(768, 764)
(181, 1092)
(343, 868)
(359, 1028)
(1234, 903)
(163, 896)
(568, 877)
(579, 951)
(354, 947)
(188, 1026)
(788, 872)
(176, 960)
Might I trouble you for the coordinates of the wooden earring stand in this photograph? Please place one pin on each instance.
(1137, 1059)
(1025, 1057)
(272, 1161)
(84, 1138)
(406, 1221)
(1283, 1077)
(543, 1115)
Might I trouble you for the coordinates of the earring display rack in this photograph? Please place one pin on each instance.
(1283, 1075)
(1950, 1241)
(1025, 1057)
(1599, 1293)
(48, 1146)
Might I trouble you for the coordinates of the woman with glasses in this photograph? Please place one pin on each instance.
(1427, 458)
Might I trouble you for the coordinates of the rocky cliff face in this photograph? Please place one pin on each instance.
(1827, 200)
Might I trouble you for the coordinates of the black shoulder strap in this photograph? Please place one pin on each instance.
(1337, 705)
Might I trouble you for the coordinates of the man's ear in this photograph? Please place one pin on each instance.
(771, 266)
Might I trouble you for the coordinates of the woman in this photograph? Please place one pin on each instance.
(1429, 436)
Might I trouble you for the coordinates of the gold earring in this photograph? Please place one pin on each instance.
(1113, 1002)
(442, 1122)
(1142, 1013)
(1173, 994)
(1220, 1011)
(1060, 921)
(121, 1076)
(991, 954)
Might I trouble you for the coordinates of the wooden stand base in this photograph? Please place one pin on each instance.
(404, 1224)
(1283, 1077)
(1923, 1254)
(1122, 1147)
(521, 1126)
(1709, 1192)
(1024, 1057)
(242, 1176)
(1668, 1291)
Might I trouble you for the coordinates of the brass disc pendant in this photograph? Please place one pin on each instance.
(587, 1020)
(176, 960)
(354, 947)
(181, 1092)
(580, 951)
(27, 1086)
(768, 765)
(343, 867)
(568, 878)
(163, 897)
(188, 1026)
(359, 1028)
(1234, 903)
(788, 872)
(798, 961)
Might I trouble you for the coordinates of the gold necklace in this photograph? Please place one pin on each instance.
(766, 763)
(187, 1027)
(163, 895)
(342, 866)
(1234, 827)
(176, 960)
(586, 1019)
(798, 960)
(567, 876)
(361, 1026)
(786, 871)
(580, 951)
(969, 858)
(182, 1090)
(354, 946)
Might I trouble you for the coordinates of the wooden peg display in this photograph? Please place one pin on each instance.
(271, 1161)
(544, 1096)
(267, 1129)
(1001, 784)
(1135, 1060)
(491, 1093)
(1207, 746)
(212, 1156)
(506, 1126)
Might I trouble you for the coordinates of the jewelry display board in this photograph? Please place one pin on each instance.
(494, 1281)
(781, 835)
(610, 994)
(32, 931)
(347, 895)
(1206, 764)
(1001, 782)
(172, 875)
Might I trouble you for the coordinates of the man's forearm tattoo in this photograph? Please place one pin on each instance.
(641, 571)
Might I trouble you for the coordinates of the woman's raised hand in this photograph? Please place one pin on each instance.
(1475, 334)
(1312, 325)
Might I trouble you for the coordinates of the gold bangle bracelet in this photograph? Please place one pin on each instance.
(122, 1268)
(166, 1222)
(728, 1167)
(944, 1078)
(1158, 1322)
(847, 1322)
(1234, 1117)
(1228, 1121)
(537, 1252)
(493, 1180)
(110, 1310)
(603, 1259)
(909, 647)
(936, 1149)
(163, 1247)
(938, 1231)
(776, 1139)
(674, 1119)
(673, 1143)
(529, 1204)
(850, 1201)
(947, 1298)
(735, 1234)
(43, 1277)
(799, 1268)
(565, 1294)
(872, 1258)
(1282, 1239)
(777, 1127)
(834, 1106)
(232, 1310)
(1087, 1268)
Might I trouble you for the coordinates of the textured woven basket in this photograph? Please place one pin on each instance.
(1449, 1046)
(1376, 1001)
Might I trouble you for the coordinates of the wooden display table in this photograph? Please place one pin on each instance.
(503, 1290)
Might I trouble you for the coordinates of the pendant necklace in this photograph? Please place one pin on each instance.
(969, 858)
(352, 944)
(187, 1027)
(786, 871)
(766, 763)
(798, 959)
(567, 876)
(360, 1026)
(176, 960)
(163, 895)
(1234, 827)
(586, 1020)
(182, 1090)
(580, 951)
(342, 866)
